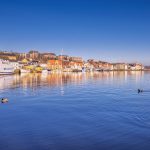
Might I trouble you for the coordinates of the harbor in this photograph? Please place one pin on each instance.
(35, 62)
(74, 75)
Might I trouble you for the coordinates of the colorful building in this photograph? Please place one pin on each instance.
(54, 64)
(76, 65)
(135, 66)
(120, 66)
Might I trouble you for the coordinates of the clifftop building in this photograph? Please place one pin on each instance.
(34, 54)
(63, 57)
(48, 56)
(9, 56)
(77, 59)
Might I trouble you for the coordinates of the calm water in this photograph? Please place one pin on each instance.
(75, 111)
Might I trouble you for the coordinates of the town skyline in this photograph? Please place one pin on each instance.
(62, 53)
(36, 62)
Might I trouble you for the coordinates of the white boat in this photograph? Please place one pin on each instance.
(45, 71)
(6, 67)
(25, 71)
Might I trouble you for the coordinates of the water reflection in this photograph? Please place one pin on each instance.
(89, 111)
(58, 79)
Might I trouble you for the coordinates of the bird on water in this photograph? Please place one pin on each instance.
(140, 91)
(4, 100)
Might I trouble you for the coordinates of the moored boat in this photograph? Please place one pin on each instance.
(45, 71)
(25, 71)
(6, 67)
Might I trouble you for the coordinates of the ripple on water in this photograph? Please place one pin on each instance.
(75, 111)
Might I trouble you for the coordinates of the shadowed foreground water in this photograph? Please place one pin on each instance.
(75, 111)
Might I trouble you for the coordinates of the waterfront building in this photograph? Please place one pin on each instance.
(54, 64)
(110, 66)
(88, 67)
(105, 65)
(120, 66)
(15, 65)
(65, 64)
(94, 63)
(100, 65)
(135, 66)
(76, 65)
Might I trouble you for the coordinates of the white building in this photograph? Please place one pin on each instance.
(16, 65)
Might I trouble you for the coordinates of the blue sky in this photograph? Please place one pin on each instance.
(111, 30)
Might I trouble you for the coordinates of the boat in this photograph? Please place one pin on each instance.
(45, 71)
(24, 71)
(77, 70)
(83, 70)
(38, 69)
(67, 70)
(6, 67)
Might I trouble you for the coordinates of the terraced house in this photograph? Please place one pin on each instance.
(135, 66)
(120, 66)
(54, 64)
